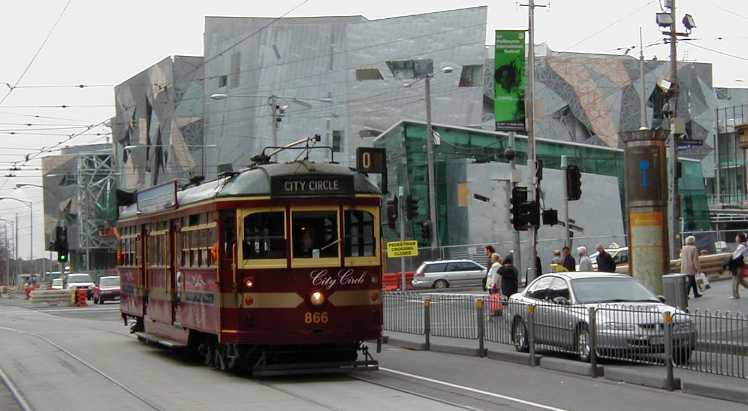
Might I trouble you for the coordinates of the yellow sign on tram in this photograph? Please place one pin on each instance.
(402, 248)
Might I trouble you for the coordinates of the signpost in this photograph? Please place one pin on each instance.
(407, 248)
(509, 80)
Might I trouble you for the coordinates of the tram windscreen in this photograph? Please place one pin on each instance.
(315, 234)
(359, 234)
(264, 236)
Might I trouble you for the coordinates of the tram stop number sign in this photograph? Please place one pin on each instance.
(402, 248)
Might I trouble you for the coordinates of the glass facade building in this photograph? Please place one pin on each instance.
(406, 164)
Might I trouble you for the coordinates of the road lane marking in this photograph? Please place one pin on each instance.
(474, 390)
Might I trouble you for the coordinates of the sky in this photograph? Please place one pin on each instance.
(100, 43)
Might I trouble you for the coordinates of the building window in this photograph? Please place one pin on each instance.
(410, 69)
(337, 141)
(223, 81)
(471, 76)
(368, 74)
(236, 59)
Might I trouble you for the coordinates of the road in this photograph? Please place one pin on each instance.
(84, 358)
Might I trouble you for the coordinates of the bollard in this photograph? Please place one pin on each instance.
(667, 319)
(427, 323)
(531, 333)
(480, 313)
(82, 297)
(593, 341)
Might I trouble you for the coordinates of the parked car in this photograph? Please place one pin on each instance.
(80, 280)
(57, 284)
(449, 273)
(107, 289)
(629, 317)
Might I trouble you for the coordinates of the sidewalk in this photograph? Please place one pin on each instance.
(708, 385)
(717, 298)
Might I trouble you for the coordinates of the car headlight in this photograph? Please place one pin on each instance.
(618, 326)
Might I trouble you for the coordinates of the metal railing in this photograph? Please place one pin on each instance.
(701, 341)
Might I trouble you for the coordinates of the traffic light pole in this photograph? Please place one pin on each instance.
(531, 154)
(402, 212)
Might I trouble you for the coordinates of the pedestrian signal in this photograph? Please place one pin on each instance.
(411, 207)
(392, 212)
(573, 183)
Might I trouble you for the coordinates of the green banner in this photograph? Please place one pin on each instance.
(509, 80)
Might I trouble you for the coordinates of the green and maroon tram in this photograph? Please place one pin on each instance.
(274, 269)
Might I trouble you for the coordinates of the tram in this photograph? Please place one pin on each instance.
(274, 269)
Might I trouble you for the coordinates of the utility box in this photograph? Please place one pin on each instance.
(675, 290)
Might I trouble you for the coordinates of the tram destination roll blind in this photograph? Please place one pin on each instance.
(311, 185)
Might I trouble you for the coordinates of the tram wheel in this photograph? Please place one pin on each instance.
(206, 352)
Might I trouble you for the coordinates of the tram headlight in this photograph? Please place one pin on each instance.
(249, 282)
(317, 298)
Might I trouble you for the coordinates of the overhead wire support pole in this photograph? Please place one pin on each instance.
(642, 96)
(431, 169)
(531, 152)
(674, 211)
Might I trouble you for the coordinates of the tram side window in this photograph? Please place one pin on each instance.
(315, 234)
(359, 234)
(197, 241)
(264, 236)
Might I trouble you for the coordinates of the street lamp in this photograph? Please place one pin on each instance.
(31, 224)
(278, 110)
(430, 154)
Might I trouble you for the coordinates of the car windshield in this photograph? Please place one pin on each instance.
(57, 282)
(79, 278)
(602, 289)
(109, 281)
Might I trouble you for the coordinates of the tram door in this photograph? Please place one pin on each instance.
(227, 242)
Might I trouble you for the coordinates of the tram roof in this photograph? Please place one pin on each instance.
(267, 180)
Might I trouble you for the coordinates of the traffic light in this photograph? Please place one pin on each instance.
(530, 213)
(519, 198)
(61, 244)
(550, 217)
(573, 183)
(411, 207)
(426, 233)
(392, 212)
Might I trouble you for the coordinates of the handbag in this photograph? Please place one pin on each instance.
(744, 271)
(494, 303)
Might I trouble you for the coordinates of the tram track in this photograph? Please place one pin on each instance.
(80, 360)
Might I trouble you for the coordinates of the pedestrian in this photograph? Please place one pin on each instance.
(490, 252)
(689, 264)
(605, 262)
(493, 284)
(493, 281)
(585, 264)
(556, 266)
(736, 264)
(509, 277)
(567, 260)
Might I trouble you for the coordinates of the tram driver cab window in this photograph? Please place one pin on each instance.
(264, 236)
(315, 234)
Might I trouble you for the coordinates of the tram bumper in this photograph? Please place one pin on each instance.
(272, 364)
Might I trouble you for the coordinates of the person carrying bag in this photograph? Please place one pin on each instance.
(736, 265)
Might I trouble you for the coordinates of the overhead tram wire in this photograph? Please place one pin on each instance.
(36, 54)
(724, 53)
(609, 25)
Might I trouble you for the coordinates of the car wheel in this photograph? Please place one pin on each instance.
(441, 284)
(519, 335)
(682, 355)
(583, 343)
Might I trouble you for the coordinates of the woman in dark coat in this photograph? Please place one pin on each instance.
(509, 277)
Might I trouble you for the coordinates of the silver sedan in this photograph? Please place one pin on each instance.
(628, 317)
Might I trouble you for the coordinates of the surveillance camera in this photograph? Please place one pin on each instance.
(509, 154)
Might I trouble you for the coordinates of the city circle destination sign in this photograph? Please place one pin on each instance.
(311, 185)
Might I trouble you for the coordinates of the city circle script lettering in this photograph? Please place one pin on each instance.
(345, 277)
